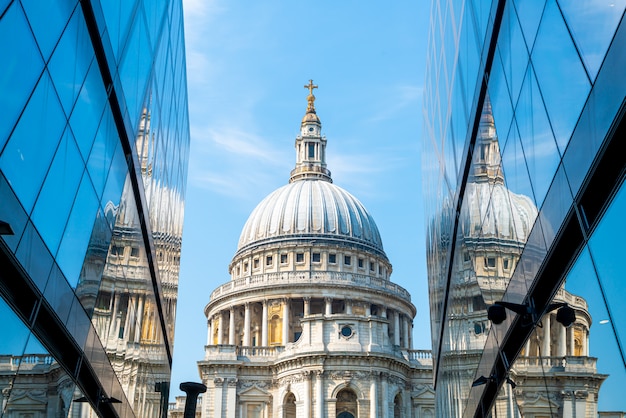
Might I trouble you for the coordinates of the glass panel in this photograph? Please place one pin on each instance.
(593, 25)
(102, 151)
(88, 110)
(591, 341)
(135, 69)
(59, 294)
(11, 211)
(564, 93)
(529, 12)
(21, 66)
(47, 19)
(513, 50)
(540, 150)
(73, 247)
(34, 256)
(71, 59)
(607, 251)
(33, 142)
(57, 195)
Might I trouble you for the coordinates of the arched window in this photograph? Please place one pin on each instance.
(289, 406)
(275, 331)
(346, 404)
(397, 406)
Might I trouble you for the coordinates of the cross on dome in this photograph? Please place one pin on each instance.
(310, 98)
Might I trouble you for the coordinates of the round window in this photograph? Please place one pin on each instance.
(346, 331)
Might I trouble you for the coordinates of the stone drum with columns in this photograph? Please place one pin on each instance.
(310, 324)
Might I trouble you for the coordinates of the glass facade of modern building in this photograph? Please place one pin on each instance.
(523, 176)
(94, 141)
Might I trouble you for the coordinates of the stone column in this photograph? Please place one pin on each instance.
(348, 307)
(319, 394)
(231, 398)
(219, 387)
(220, 328)
(374, 396)
(396, 328)
(209, 338)
(545, 344)
(527, 346)
(306, 402)
(329, 306)
(384, 413)
(139, 319)
(285, 321)
(572, 344)
(307, 306)
(585, 342)
(368, 309)
(246, 325)
(264, 325)
(231, 327)
(562, 342)
(385, 337)
(406, 333)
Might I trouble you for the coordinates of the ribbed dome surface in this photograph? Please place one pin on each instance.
(311, 207)
(491, 210)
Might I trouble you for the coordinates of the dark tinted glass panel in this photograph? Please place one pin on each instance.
(11, 212)
(30, 149)
(34, 256)
(21, 66)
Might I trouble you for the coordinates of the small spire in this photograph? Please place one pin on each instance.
(310, 145)
(310, 98)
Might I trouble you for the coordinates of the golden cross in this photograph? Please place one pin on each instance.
(310, 86)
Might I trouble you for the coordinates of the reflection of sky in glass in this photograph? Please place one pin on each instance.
(14, 332)
(582, 281)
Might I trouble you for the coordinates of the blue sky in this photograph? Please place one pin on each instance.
(247, 65)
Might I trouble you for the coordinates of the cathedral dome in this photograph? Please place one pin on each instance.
(310, 209)
(493, 211)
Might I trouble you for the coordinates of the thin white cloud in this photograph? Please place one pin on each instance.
(396, 100)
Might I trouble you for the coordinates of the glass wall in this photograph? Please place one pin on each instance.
(518, 172)
(94, 143)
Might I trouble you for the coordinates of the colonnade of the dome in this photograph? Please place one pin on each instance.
(262, 323)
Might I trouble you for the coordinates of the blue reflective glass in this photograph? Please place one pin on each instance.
(114, 185)
(117, 15)
(500, 98)
(102, 151)
(564, 92)
(70, 61)
(540, 150)
(529, 12)
(88, 110)
(73, 247)
(14, 332)
(593, 25)
(47, 19)
(513, 51)
(21, 66)
(54, 203)
(601, 342)
(607, 250)
(135, 69)
(30, 149)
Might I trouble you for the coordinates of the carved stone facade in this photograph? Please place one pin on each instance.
(310, 324)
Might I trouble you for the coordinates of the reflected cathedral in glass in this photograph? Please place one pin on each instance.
(523, 178)
(94, 141)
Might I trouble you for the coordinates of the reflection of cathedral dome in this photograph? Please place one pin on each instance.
(311, 207)
(493, 211)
